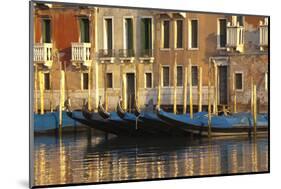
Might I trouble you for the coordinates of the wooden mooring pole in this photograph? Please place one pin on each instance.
(137, 84)
(215, 106)
(62, 95)
(175, 86)
(41, 89)
(234, 93)
(124, 88)
(209, 100)
(105, 88)
(190, 90)
(159, 86)
(200, 90)
(185, 89)
(52, 92)
(255, 108)
(89, 88)
(35, 90)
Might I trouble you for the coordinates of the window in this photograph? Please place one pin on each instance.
(148, 80)
(84, 30)
(128, 33)
(194, 70)
(166, 34)
(85, 81)
(179, 75)
(193, 34)
(46, 30)
(166, 76)
(108, 43)
(222, 33)
(146, 36)
(238, 81)
(179, 33)
(47, 84)
(240, 19)
(109, 81)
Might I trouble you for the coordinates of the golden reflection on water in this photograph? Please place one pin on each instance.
(81, 159)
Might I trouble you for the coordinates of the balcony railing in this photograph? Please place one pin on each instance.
(263, 34)
(81, 53)
(106, 53)
(235, 37)
(42, 54)
(146, 53)
(126, 53)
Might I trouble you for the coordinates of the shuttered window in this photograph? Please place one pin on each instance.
(146, 33)
(46, 30)
(222, 32)
(108, 33)
(84, 30)
(129, 33)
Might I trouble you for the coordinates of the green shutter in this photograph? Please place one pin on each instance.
(46, 31)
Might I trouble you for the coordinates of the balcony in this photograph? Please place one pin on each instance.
(146, 55)
(235, 37)
(107, 55)
(81, 54)
(126, 55)
(43, 54)
(263, 34)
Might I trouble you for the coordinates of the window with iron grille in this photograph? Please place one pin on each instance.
(194, 70)
(47, 84)
(238, 81)
(85, 78)
(148, 80)
(166, 76)
(179, 75)
(109, 80)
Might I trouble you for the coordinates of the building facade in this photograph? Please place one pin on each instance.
(147, 55)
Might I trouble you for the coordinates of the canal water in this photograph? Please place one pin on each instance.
(84, 157)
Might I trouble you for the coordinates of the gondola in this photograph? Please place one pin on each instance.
(108, 125)
(220, 125)
(149, 116)
(50, 121)
(140, 124)
(113, 121)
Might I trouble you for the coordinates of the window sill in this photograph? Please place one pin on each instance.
(165, 49)
(239, 90)
(193, 49)
(179, 49)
